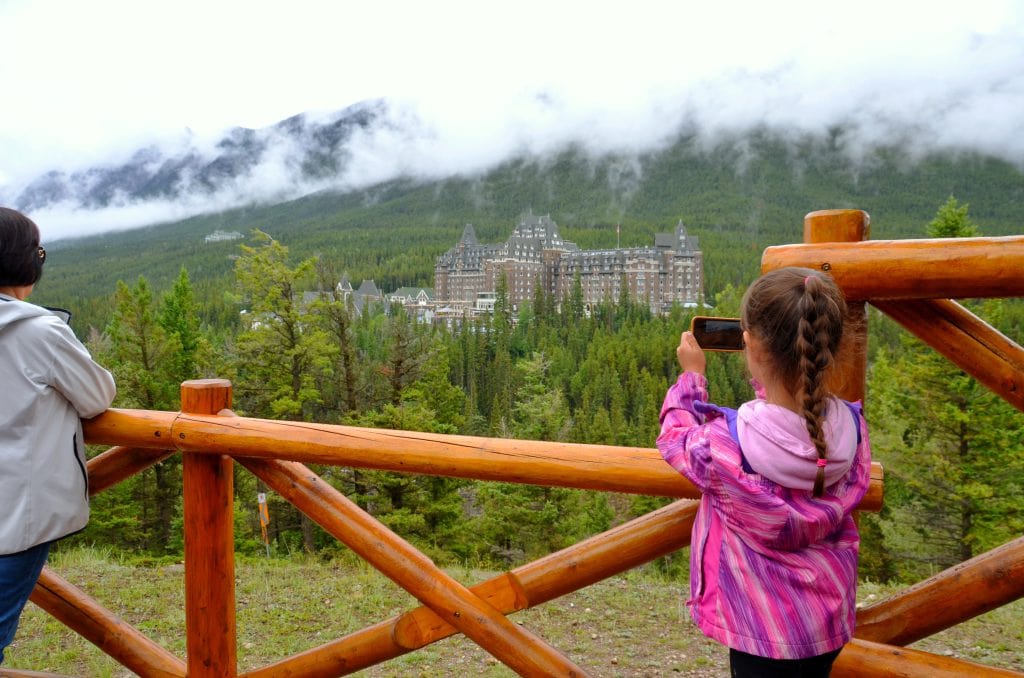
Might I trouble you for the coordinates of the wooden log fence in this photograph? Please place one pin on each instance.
(910, 280)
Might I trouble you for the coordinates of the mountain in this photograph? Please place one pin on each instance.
(739, 194)
(311, 150)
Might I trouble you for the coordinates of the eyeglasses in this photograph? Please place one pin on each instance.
(42, 254)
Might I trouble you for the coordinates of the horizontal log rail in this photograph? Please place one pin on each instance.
(944, 268)
(632, 470)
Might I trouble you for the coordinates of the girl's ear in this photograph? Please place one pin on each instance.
(753, 354)
(752, 344)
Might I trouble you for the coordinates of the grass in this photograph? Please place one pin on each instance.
(635, 624)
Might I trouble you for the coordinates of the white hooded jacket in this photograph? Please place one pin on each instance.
(48, 381)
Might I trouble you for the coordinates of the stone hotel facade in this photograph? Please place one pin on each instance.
(670, 272)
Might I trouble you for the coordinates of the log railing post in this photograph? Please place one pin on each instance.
(850, 377)
(211, 640)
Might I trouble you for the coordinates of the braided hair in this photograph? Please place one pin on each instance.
(798, 315)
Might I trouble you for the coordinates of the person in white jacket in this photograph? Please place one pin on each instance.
(48, 382)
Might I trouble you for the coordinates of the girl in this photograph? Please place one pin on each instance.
(773, 557)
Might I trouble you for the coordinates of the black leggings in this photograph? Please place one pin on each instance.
(743, 665)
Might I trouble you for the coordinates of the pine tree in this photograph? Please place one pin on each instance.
(283, 354)
(406, 353)
(540, 412)
(954, 451)
(335, 312)
(140, 351)
(146, 361)
(283, 350)
(951, 221)
(179, 318)
(499, 372)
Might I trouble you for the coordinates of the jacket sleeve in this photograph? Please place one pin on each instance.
(684, 441)
(87, 386)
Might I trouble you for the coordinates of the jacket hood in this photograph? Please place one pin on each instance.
(12, 310)
(776, 444)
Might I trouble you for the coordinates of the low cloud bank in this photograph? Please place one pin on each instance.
(970, 98)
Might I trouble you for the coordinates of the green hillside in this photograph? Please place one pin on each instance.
(738, 196)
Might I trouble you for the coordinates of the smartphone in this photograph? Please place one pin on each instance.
(717, 334)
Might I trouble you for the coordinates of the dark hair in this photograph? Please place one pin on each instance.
(21, 261)
(798, 314)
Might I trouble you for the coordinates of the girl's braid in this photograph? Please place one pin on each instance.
(815, 356)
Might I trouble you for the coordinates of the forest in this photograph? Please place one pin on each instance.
(738, 195)
(953, 452)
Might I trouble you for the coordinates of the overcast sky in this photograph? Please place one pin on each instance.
(89, 81)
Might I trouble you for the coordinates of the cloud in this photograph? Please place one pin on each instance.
(471, 85)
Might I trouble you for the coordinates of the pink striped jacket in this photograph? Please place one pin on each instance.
(773, 571)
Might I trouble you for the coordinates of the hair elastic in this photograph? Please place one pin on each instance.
(822, 462)
(807, 279)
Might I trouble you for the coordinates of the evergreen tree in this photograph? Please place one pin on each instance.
(951, 221)
(335, 312)
(147, 364)
(283, 354)
(499, 372)
(140, 351)
(283, 350)
(434, 388)
(575, 301)
(426, 510)
(540, 412)
(179, 318)
(954, 451)
(406, 353)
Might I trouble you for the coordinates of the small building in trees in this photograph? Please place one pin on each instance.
(418, 302)
(670, 272)
(362, 300)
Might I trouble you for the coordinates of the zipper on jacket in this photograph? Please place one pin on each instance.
(81, 466)
(700, 569)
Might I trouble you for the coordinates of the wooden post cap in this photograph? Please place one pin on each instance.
(205, 396)
(837, 226)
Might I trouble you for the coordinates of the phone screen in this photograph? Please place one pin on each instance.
(717, 334)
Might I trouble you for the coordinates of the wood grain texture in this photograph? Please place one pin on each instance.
(952, 596)
(633, 470)
(118, 463)
(208, 491)
(940, 268)
(967, 341)
(864, 659)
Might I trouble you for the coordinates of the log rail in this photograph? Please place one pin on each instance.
(909, 280)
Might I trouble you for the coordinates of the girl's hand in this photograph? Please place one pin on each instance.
(690, 355)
